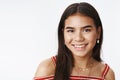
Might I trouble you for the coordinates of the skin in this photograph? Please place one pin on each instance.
(80, 36)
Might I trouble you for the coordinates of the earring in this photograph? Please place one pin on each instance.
(98, 41)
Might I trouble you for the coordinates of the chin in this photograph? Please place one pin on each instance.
(80, 54)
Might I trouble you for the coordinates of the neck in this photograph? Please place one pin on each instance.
(85, 62)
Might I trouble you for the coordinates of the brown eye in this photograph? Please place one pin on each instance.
(70, 30)
(86, 30)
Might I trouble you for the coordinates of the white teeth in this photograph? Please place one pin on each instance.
(79, 46)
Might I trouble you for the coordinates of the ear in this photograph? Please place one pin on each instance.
(98, 32)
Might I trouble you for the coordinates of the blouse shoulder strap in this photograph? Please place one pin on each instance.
(44, 78)
(105, 71)
(54, 60)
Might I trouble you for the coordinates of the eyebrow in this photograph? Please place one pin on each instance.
(87, 26)
(69, 27)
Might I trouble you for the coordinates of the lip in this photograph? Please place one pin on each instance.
(79, 47)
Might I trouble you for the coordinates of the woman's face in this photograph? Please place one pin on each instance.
(80, 34)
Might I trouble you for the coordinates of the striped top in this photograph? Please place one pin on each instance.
(76, 77)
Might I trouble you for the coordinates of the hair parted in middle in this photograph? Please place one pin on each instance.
(65, 60)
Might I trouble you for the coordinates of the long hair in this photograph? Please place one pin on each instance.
(64, 58)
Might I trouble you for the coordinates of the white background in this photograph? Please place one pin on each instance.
(28, 34)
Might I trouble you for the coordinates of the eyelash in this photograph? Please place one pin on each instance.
(87, 30)
(70, 30)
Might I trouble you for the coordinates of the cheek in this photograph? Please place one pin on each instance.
(92, 38)
(67, 38)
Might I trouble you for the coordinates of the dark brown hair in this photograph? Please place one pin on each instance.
(65, 61)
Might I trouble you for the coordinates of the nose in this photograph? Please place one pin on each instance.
(79, 37)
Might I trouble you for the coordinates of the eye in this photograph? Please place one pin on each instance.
(87, 30)
(70, 30)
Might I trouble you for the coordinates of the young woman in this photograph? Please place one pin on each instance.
(80, 37)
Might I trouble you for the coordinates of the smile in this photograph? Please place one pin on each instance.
(79, 46)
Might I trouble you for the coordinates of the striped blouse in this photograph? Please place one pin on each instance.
(76, 77)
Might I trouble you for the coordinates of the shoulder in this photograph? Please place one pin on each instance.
(107, 72)
(110, 75)
(45, 68)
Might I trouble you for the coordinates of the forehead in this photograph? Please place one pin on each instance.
(78, 20)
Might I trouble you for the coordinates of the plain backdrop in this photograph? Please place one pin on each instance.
(28, 34)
